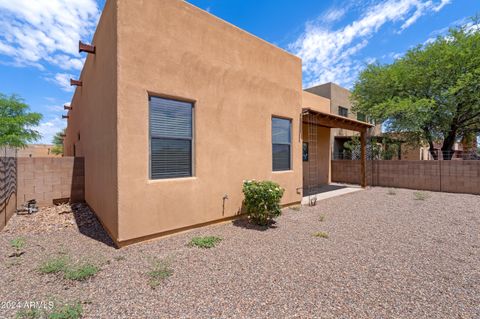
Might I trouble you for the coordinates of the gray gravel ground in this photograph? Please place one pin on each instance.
(386, 256)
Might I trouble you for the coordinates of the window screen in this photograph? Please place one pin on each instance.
(171, 130)
(281, 140)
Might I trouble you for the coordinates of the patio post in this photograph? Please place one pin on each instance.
(363, 158)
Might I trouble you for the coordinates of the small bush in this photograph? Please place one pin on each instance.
(205, 242)
(159, 271)
(391, 192)
(29, 314)
(321, 234)
(321, 218)
(81, 272)
(70, 311)
(262, 200)
(54, 265)
(420, 196)
(18, 243)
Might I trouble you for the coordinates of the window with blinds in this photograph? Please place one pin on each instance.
(171, 137)
(281, 144)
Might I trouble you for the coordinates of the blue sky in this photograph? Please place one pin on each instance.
(335, 39)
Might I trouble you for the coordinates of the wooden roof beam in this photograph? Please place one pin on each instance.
(88, 48)
(67, 107)
(75, 82)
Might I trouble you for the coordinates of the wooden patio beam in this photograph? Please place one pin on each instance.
(67, 107)
(65, 116)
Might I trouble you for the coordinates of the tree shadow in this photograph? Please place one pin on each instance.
(247, 224)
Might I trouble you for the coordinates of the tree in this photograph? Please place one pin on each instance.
(58, 143)
(432, 94)
(16, 122)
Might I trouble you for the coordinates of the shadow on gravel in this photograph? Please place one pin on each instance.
(245, 223)
(89, 225)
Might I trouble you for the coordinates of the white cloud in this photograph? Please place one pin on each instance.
(333, 15)
(63, 81)
(328, 55)
(35, 33)
(49, 128)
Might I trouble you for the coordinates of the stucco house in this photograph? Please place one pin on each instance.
(175, 107)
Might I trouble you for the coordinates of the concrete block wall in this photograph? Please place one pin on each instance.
(444, 176)
(48, 180)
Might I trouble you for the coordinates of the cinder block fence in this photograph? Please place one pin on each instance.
(48, 180)
(441, 176)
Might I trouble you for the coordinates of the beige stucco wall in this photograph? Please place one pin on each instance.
(237, 82)
(93, 120)
(315, 102)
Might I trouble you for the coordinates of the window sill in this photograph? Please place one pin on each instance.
(171, 180)
(281, 172)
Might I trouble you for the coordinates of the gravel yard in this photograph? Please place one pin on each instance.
(379, 253)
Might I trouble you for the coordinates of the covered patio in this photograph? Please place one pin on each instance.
(316, 127)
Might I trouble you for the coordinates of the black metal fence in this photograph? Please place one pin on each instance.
(8, 184)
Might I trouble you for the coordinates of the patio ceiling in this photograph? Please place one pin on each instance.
(334, 121)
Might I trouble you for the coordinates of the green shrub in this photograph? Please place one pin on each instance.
(70, 311)
(420, 196)
(29, 314)
(53, 265)
(159, 271)
(321, 234)
(18, 243)
(81, 272)
(262, 200)
(205, 242)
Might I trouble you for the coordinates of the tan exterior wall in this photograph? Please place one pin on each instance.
(237, 81)
(92, 123)
(48, 180)
(445, 176)
(315, 102)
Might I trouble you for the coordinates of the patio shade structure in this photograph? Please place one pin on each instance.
(317, 118)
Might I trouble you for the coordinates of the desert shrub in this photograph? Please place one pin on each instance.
(69, 311)
(53, 265)
(205, 242)
(262, 200)
(159, 271)
(321, 234)
(81, 272)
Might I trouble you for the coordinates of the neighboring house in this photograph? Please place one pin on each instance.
(33, 150)
(341, 105)
(422, 152)
(37, 150)
(177, 108)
